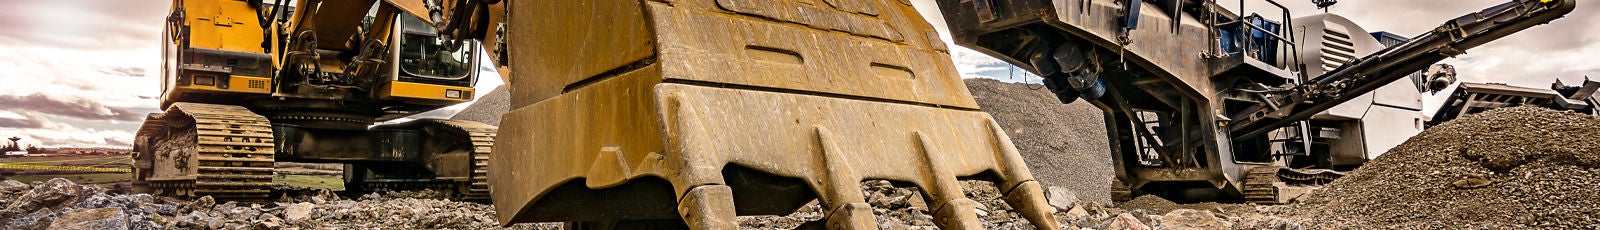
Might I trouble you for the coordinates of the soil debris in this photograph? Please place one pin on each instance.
(1508, 168)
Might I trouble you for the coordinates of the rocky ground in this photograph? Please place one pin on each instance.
(903, 208)
(1515, 168)
(61, 204)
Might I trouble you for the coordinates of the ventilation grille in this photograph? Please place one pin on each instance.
(258, 84)
(1337, 50)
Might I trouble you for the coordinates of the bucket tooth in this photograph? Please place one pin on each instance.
(848, 208)
(709, 207)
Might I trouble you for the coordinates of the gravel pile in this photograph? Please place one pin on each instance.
(487, 109)
(1509, 168)
(1064, 144)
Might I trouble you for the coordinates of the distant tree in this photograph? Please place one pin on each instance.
(33, 150)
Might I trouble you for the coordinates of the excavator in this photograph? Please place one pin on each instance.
(246, 84)
(687, 113)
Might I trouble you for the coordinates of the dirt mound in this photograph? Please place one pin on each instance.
(1064, 144)
(1510, 168)
(487, 109)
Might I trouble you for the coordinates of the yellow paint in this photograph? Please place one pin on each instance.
(236, 84)
(242, 84)
(222, 24)
(411, 90)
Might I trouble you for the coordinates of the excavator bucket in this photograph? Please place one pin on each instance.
(692, 112)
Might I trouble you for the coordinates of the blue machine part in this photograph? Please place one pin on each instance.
(1238, 39)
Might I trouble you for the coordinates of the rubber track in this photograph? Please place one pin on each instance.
(1258, 188)
(235, 154)
(477, 185)
(482, 145)
(1120, 192)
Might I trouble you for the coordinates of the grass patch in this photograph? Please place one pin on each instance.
(88, 178)
(68, 160)
(310, 181)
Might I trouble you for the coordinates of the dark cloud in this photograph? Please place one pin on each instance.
(116, 142)
(27, 122)
(129, 71)
(74, 108)
(82, 24)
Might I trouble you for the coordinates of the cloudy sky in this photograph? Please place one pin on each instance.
(84, 72)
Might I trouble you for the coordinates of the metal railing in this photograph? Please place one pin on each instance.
(1247, 31)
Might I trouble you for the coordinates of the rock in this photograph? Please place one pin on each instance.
(1077, 213)
(1061, 198)
(163, 209)
(1123, 221)
(217, 223)
(9, 190)
(323, 196)
(1287, 225)
(50, 194)
(11, 186)
(298, 211)
(193, 220)
(99, 218)
(142, 198)
(1193, 219)
(39, 219)
(204, 204)
(917, 201)
(1471, 182)
(158, 221)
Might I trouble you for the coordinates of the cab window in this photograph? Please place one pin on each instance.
(423, 54)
